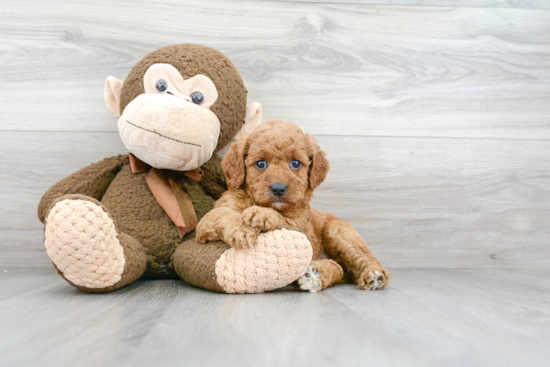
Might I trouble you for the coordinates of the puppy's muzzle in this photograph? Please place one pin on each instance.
(278, 189)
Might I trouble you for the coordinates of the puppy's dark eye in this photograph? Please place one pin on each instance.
(197, 97)
(261, 164)
(295, 164)
(162, 85)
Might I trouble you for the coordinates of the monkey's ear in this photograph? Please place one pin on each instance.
(233, 164)
(113, 87)
(252, 120)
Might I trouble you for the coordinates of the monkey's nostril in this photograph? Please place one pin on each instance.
(278, 189)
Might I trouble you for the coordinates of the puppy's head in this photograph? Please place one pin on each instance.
(277, 165)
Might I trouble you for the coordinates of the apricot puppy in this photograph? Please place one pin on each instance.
(271, 176)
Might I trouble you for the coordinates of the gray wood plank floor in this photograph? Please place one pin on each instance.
(434, 115)
(535, 4)
(418, 202)
(424, 318)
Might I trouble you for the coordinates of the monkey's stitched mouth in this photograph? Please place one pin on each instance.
(163, 136)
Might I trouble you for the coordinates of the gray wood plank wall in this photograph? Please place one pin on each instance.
(435, 114)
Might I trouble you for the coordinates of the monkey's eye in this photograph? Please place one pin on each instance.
(295, 164)
(162, 85)
(197, 98)
(261, 164)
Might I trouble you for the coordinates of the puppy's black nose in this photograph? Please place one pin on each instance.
(278, 189)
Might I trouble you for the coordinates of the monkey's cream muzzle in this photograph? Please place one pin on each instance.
(169, 132)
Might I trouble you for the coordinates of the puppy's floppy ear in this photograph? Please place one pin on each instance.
(319, 166)
(233, 163)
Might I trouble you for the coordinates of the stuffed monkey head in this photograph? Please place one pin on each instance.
(179, 105)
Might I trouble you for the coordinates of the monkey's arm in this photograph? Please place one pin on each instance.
(213, 180)
(91, 181)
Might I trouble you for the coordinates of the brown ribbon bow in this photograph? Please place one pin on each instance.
(168, 188)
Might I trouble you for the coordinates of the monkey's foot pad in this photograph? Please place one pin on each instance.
(81, 239)
(277, 259)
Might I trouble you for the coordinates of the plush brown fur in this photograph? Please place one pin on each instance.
(144, 228)
(249, 207)
(129, 201)
(190, 60)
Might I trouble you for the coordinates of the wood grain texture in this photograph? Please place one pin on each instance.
(23, 248)
(418, 202)
(534, 4)
(335, 69)
(424, 318)
(435, 118)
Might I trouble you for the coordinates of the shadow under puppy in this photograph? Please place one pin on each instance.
(271, 175)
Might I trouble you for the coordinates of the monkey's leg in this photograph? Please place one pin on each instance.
(277, 259)
(321, 274)
(82, 240)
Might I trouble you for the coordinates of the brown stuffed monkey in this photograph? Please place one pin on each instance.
(133, 216)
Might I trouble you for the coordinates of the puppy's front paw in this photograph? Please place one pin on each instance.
(310, 281)
(263, 219)
(242, 237)
(374, 278)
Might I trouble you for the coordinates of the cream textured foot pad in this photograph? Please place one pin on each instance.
(81, 240)
(277, 259)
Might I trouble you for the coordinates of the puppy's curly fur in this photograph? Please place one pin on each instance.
(251, 205)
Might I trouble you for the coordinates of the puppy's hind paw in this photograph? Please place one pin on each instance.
(374, 278)
(310, 281)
